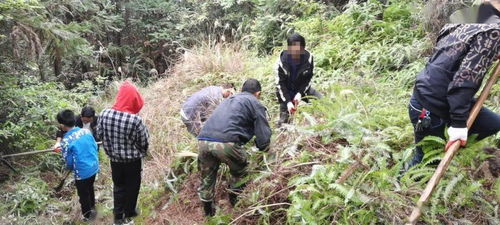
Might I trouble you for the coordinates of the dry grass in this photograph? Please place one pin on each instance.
(163, 101)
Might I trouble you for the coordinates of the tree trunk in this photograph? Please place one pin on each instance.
(57, 62)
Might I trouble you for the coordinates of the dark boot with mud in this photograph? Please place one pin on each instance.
(209, 208)
(234, 193)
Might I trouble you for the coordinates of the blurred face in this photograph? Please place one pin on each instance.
(295, 49)
(226, 93)
(87, 119)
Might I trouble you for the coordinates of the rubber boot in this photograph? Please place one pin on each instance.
(209, 208)
(234, 193)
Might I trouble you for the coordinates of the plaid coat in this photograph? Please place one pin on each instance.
(124, 135)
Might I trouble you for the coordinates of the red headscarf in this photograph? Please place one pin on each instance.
(129, 99)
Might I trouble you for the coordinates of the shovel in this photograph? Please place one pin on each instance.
(61, 184)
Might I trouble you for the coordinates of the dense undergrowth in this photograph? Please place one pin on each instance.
(339, 162)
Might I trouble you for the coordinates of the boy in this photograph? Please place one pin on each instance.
(79, 150)
(86, 120)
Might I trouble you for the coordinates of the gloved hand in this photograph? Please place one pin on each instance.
(297, 97)
(291, 107)
(455, 134)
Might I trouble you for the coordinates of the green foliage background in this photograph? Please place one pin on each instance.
(63, 53)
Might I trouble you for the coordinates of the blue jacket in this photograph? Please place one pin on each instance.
(79, 150)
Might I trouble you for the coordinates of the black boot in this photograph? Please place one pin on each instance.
(234, 193)
(233, 198)
(209, 208)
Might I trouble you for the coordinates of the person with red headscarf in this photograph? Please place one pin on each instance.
(125, 140)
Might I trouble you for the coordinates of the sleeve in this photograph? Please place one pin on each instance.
(99, 134)
(281, 82)
(484, 48)
(68, 156)
(262, 130)
(60, 133)
(303, 87)
(141, 136)
(94, 129)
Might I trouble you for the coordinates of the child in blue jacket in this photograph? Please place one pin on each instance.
(79, 150)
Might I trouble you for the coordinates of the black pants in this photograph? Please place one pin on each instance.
(127, 183)
(284, 114)
(487, 123)
(85, 190)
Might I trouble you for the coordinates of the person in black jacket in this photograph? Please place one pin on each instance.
(233, 123)
(444, 91)
(294, 71)
(86, 120)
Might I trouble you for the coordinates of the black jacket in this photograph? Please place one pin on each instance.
(237, 119)
(286, 89)
(454, 73)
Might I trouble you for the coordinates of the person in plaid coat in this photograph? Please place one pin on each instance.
(125, 140)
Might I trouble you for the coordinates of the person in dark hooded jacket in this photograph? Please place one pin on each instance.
(125, 141)
(444, 91)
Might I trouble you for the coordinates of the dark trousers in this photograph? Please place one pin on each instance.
(284, 114)
(487, 123)
(127, 183)
(85, 190)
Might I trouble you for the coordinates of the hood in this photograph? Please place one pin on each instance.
(128, 99)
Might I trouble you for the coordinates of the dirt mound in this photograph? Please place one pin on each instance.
(185, 208)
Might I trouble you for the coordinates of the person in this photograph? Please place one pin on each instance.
(444, 91)
(197, 108)
(86, 120)
(294, 71)
(79, 150)
(233, 123)
(125, 141)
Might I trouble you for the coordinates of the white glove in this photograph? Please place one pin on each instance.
(298, 97)
(290, 107)
(457, 134)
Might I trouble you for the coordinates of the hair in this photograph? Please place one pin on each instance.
(296, 37)
(66, 118)
(227, 85)
(252, 86)
(87, 111)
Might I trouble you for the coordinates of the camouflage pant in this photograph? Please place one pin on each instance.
(210, 156)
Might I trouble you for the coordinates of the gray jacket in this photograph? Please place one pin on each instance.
(237, 119)
(200, 104)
